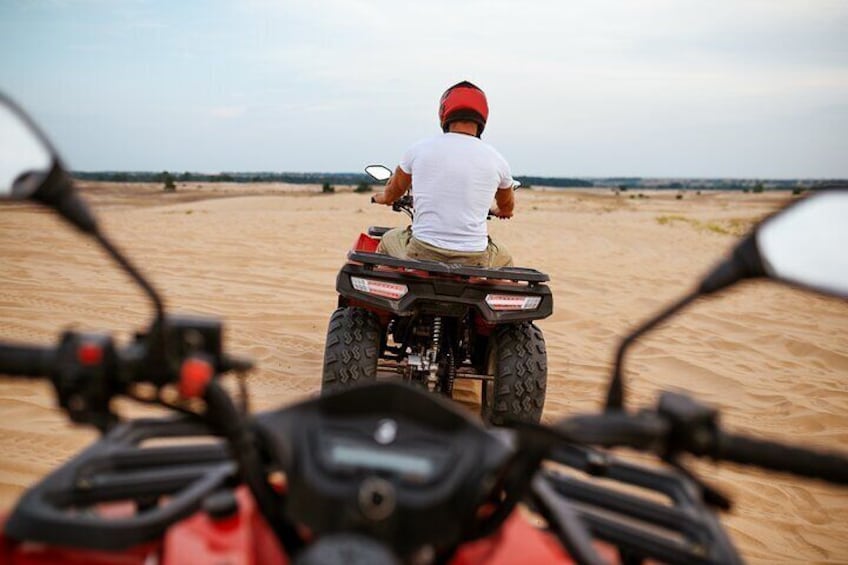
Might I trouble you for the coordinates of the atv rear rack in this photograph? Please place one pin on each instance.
(518, 274)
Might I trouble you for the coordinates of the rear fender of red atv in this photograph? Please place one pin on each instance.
(366, 242)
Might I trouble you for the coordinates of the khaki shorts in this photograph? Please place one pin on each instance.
(398, 242)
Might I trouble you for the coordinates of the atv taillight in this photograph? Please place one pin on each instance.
(379, 288)
(512, 302)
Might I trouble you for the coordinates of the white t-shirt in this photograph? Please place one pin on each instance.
(454, 179)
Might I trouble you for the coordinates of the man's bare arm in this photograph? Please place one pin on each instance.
(505, 200)
(395, 188)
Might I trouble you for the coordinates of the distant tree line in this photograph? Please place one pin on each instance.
(293, 178)
(554, 181)
(328, 180)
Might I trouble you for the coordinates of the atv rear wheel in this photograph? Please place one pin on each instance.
(519, 364)
(351, 349)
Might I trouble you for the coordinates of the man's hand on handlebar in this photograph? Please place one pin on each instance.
(497, 213)
(381, 198)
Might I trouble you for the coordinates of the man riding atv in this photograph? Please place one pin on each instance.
(439, 301)
(456, 175)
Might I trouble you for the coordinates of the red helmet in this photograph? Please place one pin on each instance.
(463, 101)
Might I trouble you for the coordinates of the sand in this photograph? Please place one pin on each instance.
(264, 258)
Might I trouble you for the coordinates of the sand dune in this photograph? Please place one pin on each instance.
(265, 258)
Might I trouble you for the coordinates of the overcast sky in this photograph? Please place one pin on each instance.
(716, 88)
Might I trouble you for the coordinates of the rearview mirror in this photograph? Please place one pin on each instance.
(25, 159)
(379, 172)
(805, 244)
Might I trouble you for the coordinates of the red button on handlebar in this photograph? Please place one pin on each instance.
(89, 354)
(194, 375)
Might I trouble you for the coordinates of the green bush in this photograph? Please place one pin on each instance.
(328, 188)
(363, 187)
(168, 181)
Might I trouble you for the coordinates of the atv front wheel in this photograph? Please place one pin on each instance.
(351, 349)
(519, 364)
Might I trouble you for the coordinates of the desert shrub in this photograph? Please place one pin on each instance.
(758, 188)
(362, 187)
(664, 220)
(716, 228)
(168, 182)
(327, 188)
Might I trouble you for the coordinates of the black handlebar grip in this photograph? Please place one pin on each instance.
(26, 360)
(831, 467)
(373, 199)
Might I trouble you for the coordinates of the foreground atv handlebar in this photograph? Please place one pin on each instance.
(88, 370)
(681, 425)
(26, 360)
(800, 461)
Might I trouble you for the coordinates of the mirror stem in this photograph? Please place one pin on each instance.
(743, 263)
(125, 263)
(57, 192)
(615, 394)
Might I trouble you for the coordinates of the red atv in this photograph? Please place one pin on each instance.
(380, 474)
(432, 323)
